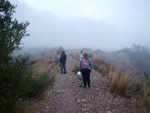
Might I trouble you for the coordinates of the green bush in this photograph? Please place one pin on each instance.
(37, 86)
(13, 82)
(14, 74)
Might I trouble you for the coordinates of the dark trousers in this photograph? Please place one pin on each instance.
(63, 67)
(86, 76)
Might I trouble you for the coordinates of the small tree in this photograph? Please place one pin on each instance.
(14, 74)
(140, 57)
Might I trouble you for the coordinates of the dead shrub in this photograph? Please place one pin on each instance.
(119, 80)
(100, 65)
(76, 67)
(76, 55)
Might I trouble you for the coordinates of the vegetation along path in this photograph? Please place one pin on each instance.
(68, 96)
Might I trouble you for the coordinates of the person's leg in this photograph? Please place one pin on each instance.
(64, 66)
(88, 77)
(84, 76)
(61, 67)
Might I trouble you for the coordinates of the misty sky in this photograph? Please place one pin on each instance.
(96, 24)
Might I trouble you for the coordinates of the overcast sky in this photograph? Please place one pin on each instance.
(96, 24)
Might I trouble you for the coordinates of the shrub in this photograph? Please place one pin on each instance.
(56, 59)
(119, 81)
(76, 56)
(13, 82)
(90, 55)
(137, 86)
(100, 65)
(14, 74)
(140, 57)
(76, 67)
(38, 85)
(124, 82)
(146, 97)
(113, 79)
(146, 93)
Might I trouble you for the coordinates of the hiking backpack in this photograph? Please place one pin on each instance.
(84, 64)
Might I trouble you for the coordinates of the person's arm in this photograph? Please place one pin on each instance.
(81, 56)
(80, 66)
(66, 57)
(90, 64)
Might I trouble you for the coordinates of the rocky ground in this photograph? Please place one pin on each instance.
(67, 95)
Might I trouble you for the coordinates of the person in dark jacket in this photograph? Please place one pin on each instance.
(63, 58)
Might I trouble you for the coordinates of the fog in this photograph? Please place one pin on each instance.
(96, 24)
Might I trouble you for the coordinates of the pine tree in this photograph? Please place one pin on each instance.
(14, 74)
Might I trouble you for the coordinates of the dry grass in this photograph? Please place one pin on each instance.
(142, 110)
(124, 82)
(76, 55)
(31, 105)
(100, 65)
(76, 67)
(146, 93)
(113, 80)
(31, 108)
(45, 64)
(144, 105)
(36, 103)
(146, 97)
(119, 80)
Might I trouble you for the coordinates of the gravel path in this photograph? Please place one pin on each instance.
(68, 97)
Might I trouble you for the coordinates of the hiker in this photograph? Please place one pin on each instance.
(81, 56)
(63, 59)
(85, 68)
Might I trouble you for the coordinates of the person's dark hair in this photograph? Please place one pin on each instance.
(85, 56)
(63, 51)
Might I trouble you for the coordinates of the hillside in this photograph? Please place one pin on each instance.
(135, 59)
(68, 96)
(30, 77)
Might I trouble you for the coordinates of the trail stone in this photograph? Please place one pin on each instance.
(84, 105)
(78, 100)
(83, 100)
(47, 107)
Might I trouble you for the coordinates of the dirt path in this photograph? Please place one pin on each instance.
(68, 97)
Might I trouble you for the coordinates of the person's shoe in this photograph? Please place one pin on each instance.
(89, 86)
(65, 73)
(61, 72)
